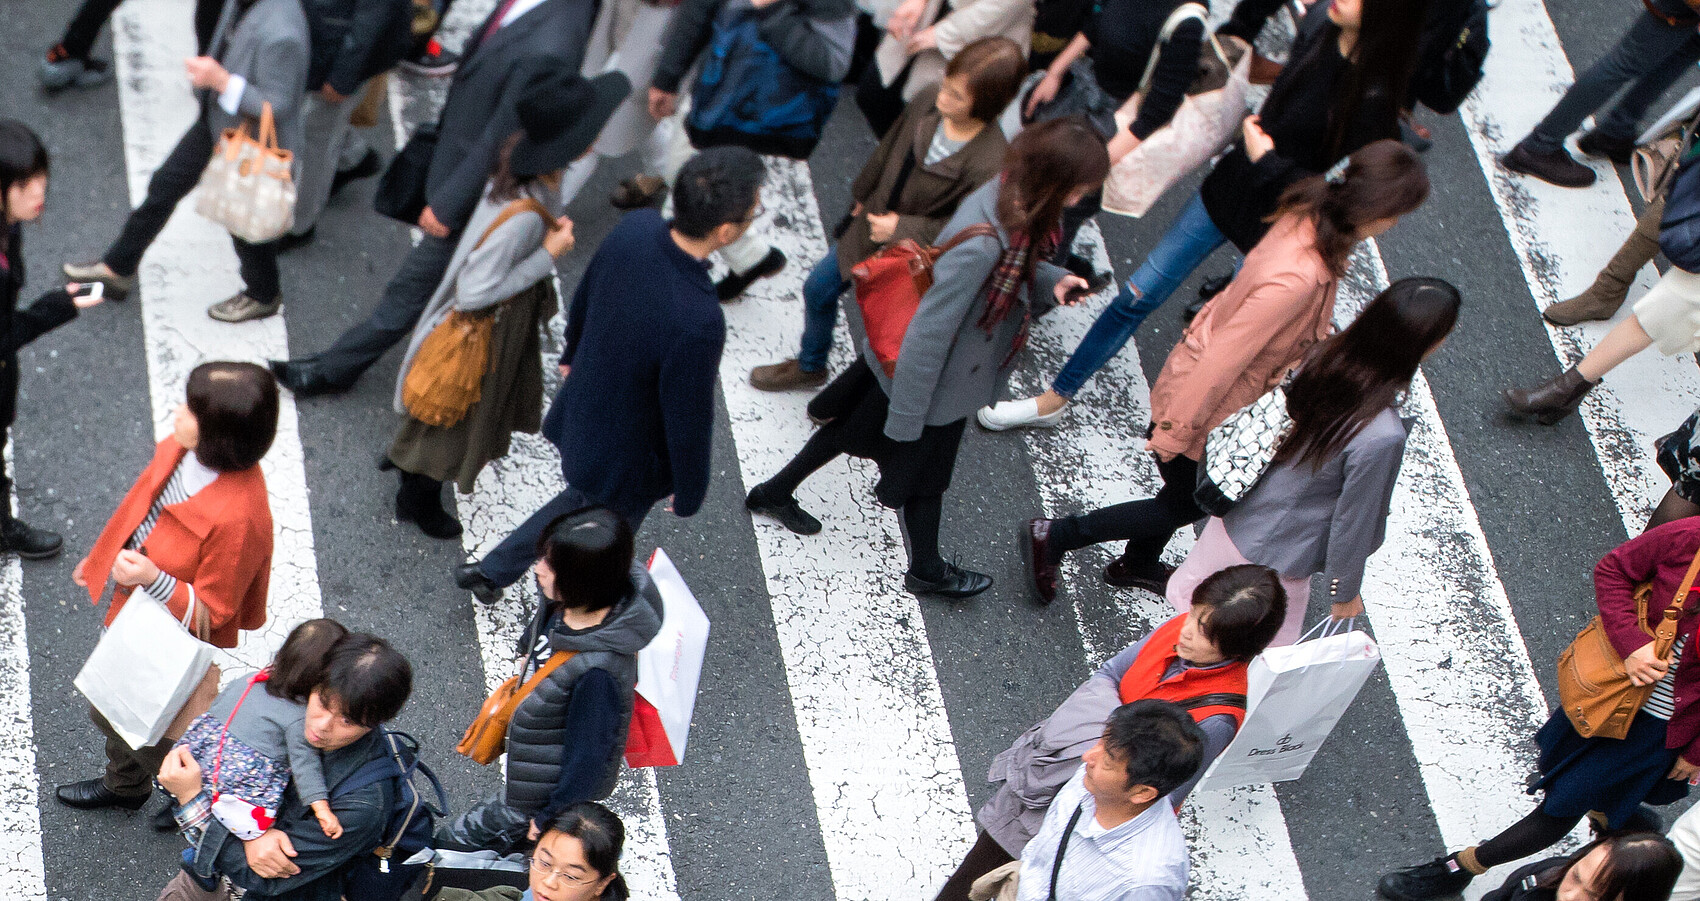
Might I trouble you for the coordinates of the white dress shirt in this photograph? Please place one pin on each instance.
(1143, 859)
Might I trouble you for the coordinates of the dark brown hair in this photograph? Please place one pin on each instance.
(1351, 377)
(504, 185)
(1642, 866)
(994, 68)
(299, 666)
(1241, 608)
(235, 407)
(1384, 180)
(1045, 163)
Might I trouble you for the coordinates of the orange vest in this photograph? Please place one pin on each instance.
(1144, 679)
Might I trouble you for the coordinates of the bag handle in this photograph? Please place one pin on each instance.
(1062, 847)
(1665, 634)
(1182, 13)
(218, 761)
(522, 205)
(268, 127)
(977, 230)
(201, 627)
(553, 663)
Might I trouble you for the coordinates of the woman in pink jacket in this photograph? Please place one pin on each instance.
(1241, 345)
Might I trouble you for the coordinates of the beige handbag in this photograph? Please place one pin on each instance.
(1209, 117)
(247, 187)
(1000, 884)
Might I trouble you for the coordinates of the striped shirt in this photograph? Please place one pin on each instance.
(942, 146)
(189, 477)
(1662, 702)
(1143, 859)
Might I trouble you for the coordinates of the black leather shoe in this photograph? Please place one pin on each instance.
(28, 541)
(1555, 167)
(1034, 538)
(790, 514)
(92, 794)
(1211, 287)
(419, 500)
(1618, 150)
(368, 166)
(1122, 574)
(304, 379)
(957, 583)
(1435, 879)
(469, 577)
(735, 284)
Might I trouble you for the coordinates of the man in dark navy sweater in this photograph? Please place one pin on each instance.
(635, 413)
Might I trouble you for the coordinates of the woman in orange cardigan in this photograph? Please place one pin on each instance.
(194, 533)
(1242, 344)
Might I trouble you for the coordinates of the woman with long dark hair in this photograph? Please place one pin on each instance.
(1350, 67)
(1243, 344)
(1642, 866)
(1322, 505)
(957, 353)
(23, 198)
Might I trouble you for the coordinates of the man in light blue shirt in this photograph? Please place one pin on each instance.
(1109, 835)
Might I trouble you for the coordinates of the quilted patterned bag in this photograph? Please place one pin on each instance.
(1238, 452)
(248, 187)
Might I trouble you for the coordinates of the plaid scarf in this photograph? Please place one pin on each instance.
(1003, 286)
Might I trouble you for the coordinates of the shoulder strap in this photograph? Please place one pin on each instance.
(1062, 847)
(522, 205)
(1181, 14)
(1214, 699)
(977, 230)
(1666, 632)
(553, 663)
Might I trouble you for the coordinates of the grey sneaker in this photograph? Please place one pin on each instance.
(73, 73)
(241, 308)
(118, 286)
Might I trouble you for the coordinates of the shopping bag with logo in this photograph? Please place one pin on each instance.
(1296, 694)
(668, 671)
(247, 187)
(144, 669)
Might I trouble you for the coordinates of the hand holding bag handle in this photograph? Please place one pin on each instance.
(199, 623)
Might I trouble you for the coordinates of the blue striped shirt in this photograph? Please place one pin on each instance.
(1143, 859)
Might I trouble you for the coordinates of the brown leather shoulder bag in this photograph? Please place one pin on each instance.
(487, 737)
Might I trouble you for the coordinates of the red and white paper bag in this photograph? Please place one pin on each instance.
(668, 671)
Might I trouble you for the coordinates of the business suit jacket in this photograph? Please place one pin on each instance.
(480, 111)
(217, 544)
(268, 46)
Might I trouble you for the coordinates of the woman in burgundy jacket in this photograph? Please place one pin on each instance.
(1606, 779)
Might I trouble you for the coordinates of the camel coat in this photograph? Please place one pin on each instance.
(217, 544)
(1246, 340)
(969, 21)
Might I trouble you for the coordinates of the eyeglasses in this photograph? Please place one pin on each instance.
(544, 871)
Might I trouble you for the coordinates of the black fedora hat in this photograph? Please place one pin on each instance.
(560, 114)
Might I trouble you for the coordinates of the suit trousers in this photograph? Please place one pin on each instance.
(172, 182)
(398, 311)
(508, 562)
(326, 127)
(84, 27)
(1650, 57)
(129, 771)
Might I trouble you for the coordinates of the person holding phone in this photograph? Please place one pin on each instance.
(23, 197)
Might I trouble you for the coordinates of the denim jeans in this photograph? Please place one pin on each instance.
(509, 561)
(1652, 54)
(1191, 239)
(821, 291)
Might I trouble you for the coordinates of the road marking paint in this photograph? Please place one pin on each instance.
(22, 874)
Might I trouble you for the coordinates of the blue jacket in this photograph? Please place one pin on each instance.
(635, 415)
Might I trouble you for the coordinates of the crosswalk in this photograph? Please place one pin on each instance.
(869, 673)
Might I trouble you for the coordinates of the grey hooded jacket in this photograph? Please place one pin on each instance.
(538, 730)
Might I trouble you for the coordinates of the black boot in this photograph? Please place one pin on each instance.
(420, 501)
(1435, 879)
(1551, 400)
(27, 541)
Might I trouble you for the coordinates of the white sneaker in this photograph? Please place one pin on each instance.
(1015, 414)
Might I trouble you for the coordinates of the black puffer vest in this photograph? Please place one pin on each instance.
(538, 730)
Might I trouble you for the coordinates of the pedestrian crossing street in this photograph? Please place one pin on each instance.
(883, 750)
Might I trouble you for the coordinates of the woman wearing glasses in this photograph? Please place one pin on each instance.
(576, 859)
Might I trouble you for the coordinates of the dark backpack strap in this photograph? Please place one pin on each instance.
(1062, 847)
(370, 773)
(1217, 699)
(977, 230)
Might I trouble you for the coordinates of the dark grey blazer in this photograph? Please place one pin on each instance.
(268, 47)
(1302, 521)
(479, 112)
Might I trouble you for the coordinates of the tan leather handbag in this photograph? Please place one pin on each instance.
(487, 737)
(1593, 682)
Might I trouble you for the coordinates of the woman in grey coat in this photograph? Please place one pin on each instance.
(567, 739)
(1322, 505)
(957, 352)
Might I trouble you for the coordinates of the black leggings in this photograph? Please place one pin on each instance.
(986, 856)
(1147, 525)
(1525, 838)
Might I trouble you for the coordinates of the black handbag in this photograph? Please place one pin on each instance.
(1454, 51)
(401, 192)
(1080, 95)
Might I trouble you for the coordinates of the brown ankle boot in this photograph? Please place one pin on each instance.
(1552, 400)
(1610, 287)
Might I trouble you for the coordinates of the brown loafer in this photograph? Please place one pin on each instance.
(787, 376)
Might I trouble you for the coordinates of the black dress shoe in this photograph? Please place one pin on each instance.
(1034, 538)
(419, 500)
(1435, 879)
(368, 166)
(735, 284)
(92, 794)
(304, 379)
(1121, 573)
(790, 514)
(1555, 167)
(956, 584)
(469, 577)
(28, 541)
(1618, 150)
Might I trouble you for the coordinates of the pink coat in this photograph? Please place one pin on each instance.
(1245, 340)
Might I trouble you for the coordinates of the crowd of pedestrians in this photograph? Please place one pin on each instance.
(999, 122)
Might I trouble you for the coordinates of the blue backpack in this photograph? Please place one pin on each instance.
(382, 875)
(1679, 230)
(749, 96)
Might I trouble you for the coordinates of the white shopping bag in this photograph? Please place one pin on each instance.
(1295, 696)
(668, 671)
(143, 670)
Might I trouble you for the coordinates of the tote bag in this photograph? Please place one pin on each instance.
(1205, 124)
(1295, 696)
(144, 670)
(247, 187)
(669, 670)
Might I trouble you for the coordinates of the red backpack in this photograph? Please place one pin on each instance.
(891, 283)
